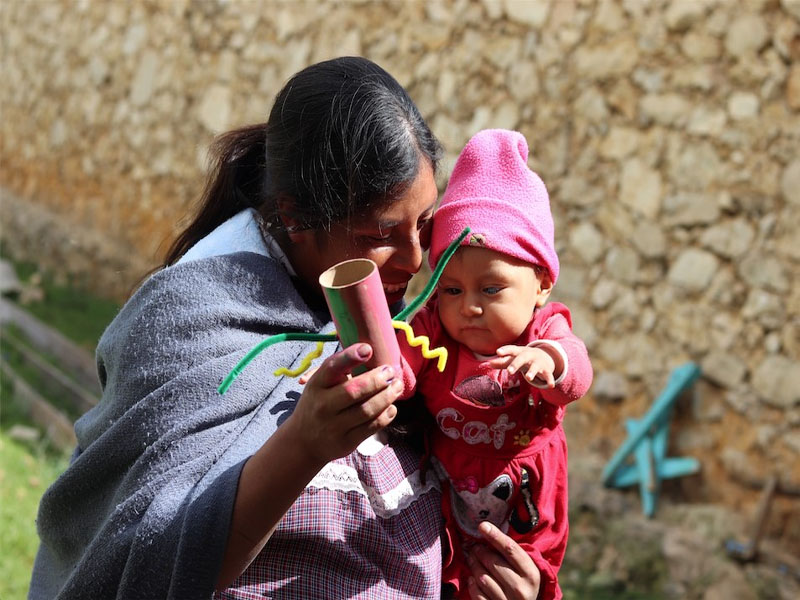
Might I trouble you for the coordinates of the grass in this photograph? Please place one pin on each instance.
(28, 468)
(30, 374)
(67, 306)
(638, 572)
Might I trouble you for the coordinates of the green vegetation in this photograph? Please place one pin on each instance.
(28, 467)
(26, 470)
(68, 307)
(14, 358)
(636, 569)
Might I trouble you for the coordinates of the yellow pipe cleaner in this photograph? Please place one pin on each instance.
(303, 367)
(424, 342)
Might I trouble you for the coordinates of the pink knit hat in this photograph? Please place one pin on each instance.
(503, 202)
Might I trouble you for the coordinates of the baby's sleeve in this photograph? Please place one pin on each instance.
(577, 376)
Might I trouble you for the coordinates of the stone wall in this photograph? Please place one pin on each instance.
(667, 132)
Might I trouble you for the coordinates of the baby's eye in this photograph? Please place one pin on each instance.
(451, 291)
(492, 290)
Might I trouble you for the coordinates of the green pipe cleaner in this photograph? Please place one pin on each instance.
(321, 337)
(437, 273)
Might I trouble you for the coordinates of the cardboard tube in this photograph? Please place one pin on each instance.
(355, 297)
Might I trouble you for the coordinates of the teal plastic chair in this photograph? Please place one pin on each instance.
(646, 444)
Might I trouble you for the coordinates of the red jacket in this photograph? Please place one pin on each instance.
(499, 445)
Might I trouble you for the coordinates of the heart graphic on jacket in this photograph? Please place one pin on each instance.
(480, 389)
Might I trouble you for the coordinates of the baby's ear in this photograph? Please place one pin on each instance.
(545, 286)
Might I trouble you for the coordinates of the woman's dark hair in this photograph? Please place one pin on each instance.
(342, 138)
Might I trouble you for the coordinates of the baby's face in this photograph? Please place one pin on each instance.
(487, 299)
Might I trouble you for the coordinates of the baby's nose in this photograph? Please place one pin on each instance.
(470, 308)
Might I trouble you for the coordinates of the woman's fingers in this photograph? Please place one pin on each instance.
(336, 369)
(475, 592)
(482, 585)
(503, 566)
(377, 406)
(368, 414)
(517, 558)
(368, 428)
(336, 411)
(305, 377)
(359, 405)
(368, 384)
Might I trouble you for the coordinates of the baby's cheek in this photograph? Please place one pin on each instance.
(446, 317)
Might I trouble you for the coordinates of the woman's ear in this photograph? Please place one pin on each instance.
(293, 227)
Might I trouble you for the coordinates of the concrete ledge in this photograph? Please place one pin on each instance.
(58, 427)
(74, 358)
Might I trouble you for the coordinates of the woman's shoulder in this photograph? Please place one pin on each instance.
(230, 280)
(227, 275)
(211, 297)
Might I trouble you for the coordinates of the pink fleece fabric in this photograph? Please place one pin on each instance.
(505, 204)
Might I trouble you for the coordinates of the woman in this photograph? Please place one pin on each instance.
(272, 490)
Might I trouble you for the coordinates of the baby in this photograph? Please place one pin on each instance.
(513, 365)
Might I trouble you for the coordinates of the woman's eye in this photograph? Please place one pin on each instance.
(491, 290)
(376, 239)
(425, 230)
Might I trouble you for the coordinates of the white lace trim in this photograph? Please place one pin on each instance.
(343, 478)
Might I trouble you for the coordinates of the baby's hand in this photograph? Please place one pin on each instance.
(530, 362)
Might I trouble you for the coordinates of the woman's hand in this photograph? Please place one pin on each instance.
(337, 412)
(501, 569)
(334, 414)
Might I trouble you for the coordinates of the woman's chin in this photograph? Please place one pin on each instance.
(395, 297)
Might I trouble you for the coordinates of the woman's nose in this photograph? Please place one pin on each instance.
(409, 255)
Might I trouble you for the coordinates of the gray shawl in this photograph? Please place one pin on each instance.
(143, 510)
